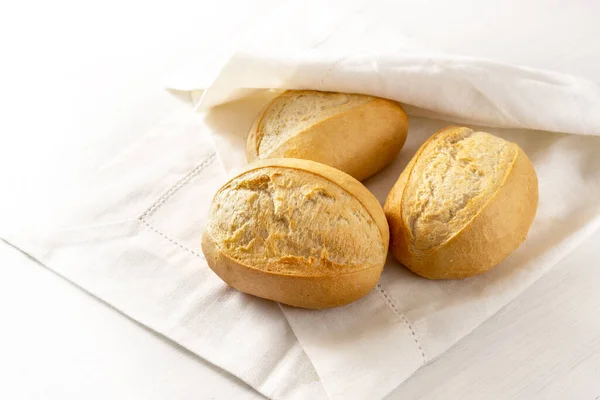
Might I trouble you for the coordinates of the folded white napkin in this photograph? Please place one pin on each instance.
(133, 236)
(366, 349)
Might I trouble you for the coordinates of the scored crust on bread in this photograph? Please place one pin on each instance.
(355, 133)
(464, 202)
(297, 232)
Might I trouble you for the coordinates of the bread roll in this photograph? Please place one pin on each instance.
(354, 133)
(464, 202)
(297, 232)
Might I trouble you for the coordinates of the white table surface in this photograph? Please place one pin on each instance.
(85, 80)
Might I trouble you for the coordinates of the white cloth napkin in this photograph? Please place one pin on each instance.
(132, 236)
(366, 349)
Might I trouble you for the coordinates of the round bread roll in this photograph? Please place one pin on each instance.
(464, 202)
(297, 232)
(354, 133)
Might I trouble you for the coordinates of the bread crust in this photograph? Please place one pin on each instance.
(495, 231)
(359, 141)
(314, 290)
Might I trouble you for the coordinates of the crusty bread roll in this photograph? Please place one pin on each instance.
(297, 232)
(464, 202)
(354, 133)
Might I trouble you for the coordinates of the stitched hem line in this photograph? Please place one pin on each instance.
(177, 186)
(171, 240)
(199, 168)
(393, 307)
(328, 72)
(181, 183)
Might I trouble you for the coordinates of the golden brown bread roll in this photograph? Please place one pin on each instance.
(354, 133)
(464, 202)
(297, 232)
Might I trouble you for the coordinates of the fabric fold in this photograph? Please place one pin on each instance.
(369, 348)
(131, 238)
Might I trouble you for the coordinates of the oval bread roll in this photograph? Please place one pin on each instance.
(297, 232)
(354, 133)
(464, 202)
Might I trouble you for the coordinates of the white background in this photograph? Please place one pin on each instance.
(79, 81)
